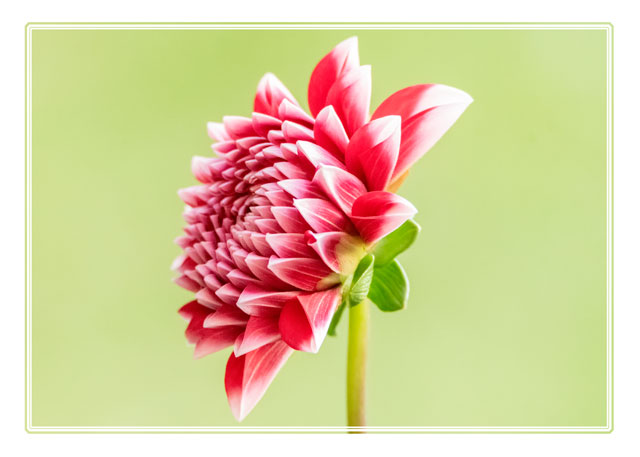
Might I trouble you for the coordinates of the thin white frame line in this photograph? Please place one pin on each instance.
(358, 26)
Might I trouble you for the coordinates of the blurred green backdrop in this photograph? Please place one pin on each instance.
(506, 320)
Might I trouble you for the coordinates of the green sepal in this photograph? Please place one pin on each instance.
(396, 242)
(389, 288)
(361, 280)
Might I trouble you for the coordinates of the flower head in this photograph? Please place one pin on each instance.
(288, 208)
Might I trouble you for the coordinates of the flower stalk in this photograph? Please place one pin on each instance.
(357, 364)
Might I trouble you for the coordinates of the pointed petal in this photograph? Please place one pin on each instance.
(376, 214)
(217, 131)
(290, 219)
(270, 93)
(263, 123)
(289, 245)
(300, 188)
(304, 322)
(247, 377)
(258, 332)
(338, 250)
(313, 156)
(257, 301)
(427, 111)
(294, 132)
(303, 273)
(214, 340)
(287, 111)
(351, 97)
(321, 215)
(329, 132)
(340, 186)
(226, 315)
(238, 126)
(342, 58)
(373, 151)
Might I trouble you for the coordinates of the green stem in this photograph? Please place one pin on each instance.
(357, 363)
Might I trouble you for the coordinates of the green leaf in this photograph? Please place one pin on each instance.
(361, 280)
(389, 287)
(396, 242)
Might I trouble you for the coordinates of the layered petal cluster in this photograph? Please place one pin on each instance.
(289, 205)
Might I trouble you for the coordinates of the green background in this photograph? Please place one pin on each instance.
(506, 323)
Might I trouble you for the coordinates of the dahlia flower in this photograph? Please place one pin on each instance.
(296, 219)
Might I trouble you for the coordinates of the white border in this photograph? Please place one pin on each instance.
(290, 26)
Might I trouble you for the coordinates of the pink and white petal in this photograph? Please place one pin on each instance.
(329, 132)
(263, 123)
(313, 156)
(422, 131)
(340, 186)
(289, 245)
(238, 127)
(304, 322)
(226, 315)
(427, 111)
(290, 219)
(187, 283)
(257, 301)
(343, 58)
(247, 377)
(228, 293)
(338, 250)
(270, 93)
(300, 188)
(213, 340)
(350, 96)
(216, 131)
(295, 132)
(200, 169)
(287, 111)
(259, 266)
(376, 214)
(303, 273)
(321, 215)
(373, 151)
(412, 100)
(258, 332)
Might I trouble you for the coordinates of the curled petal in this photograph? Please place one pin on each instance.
(373, 151)
(271, 92)
(303, 273)
(340, 186)
(343, 58)
(304, 322)
(376, 214)
(427, 111)
(248, 376)
(350, 96)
